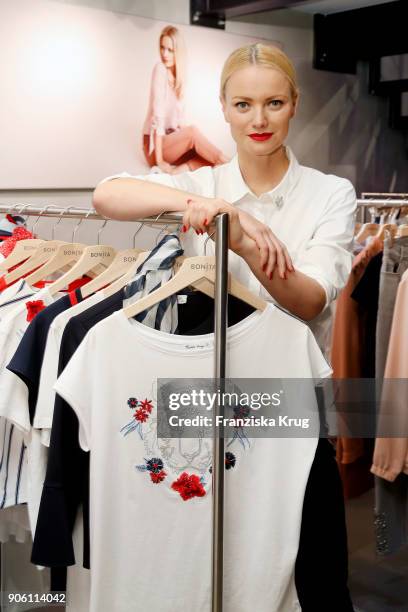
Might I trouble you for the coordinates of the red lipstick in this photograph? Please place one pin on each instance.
(260, 137)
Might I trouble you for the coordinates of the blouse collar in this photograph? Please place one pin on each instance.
(234, 188)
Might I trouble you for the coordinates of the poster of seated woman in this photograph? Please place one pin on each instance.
(168, 143)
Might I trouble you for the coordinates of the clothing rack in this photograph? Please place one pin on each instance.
(376, 200)
(220, 333)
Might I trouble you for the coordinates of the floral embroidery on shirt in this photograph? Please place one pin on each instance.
(141, 415)
(146, 405)
(230, 461)
(173, 460)
(189, 486)
(33, 308)
(155, 467)
(240, 412)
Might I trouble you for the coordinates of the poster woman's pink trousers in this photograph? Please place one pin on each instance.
(186, 145)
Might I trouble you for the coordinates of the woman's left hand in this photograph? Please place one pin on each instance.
(272, 250)
(199, 216)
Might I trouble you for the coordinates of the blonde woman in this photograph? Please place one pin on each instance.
(167, 142)
(291, 229)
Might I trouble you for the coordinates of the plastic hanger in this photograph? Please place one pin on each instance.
(193, 270)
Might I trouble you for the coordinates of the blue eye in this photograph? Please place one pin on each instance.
(242, 107)
(276, 102)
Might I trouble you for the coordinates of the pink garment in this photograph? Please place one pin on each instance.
(20, 233)
(165, 112)
(391, 454)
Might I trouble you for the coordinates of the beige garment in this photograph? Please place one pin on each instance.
(391, 454)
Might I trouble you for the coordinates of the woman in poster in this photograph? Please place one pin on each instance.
(167, 142)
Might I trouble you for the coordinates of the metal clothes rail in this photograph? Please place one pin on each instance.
(220, 333)
(368, 200)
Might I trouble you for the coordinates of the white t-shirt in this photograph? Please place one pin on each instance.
(312, 213)
(13, 295)
(15, 397)
(14, 418)
(150, 546)
(49, 371)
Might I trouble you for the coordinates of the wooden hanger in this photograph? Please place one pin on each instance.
(22, 251)
(203, 285)
(193, 270)
(65, 255)
(402, 231)
(91, 257)
(40, 256)
(368, 229)
(126, 278)
(122, 263)
(391, 228)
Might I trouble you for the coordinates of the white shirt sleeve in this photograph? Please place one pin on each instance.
(319, 365)
(327, 257)
(49, 374)
(76, 386)
(198, 181)
(13, 391)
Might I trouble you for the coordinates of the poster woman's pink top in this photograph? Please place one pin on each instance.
(391, 454)
(165, 111)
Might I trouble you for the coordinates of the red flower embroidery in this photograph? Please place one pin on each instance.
(188, 486)
(33, 308)
(158, 477)
(141, 416)
(146, 405)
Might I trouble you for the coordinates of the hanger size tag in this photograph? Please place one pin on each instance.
(181, 299)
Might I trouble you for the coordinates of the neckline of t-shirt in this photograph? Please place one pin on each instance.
(174, 343)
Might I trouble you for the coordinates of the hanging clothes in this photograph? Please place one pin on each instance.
(152, 494)
(13, 470)
(390, 461)
(394, 264)
(350, 354)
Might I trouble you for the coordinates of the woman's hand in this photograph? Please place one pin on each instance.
(272, 251)
(165, 167)
(200, 214)
(245, 232)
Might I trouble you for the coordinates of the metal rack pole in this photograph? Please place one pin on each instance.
(220, 331)
(390, 202)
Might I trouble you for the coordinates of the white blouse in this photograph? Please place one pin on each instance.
(312, 213)
(166, 110)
